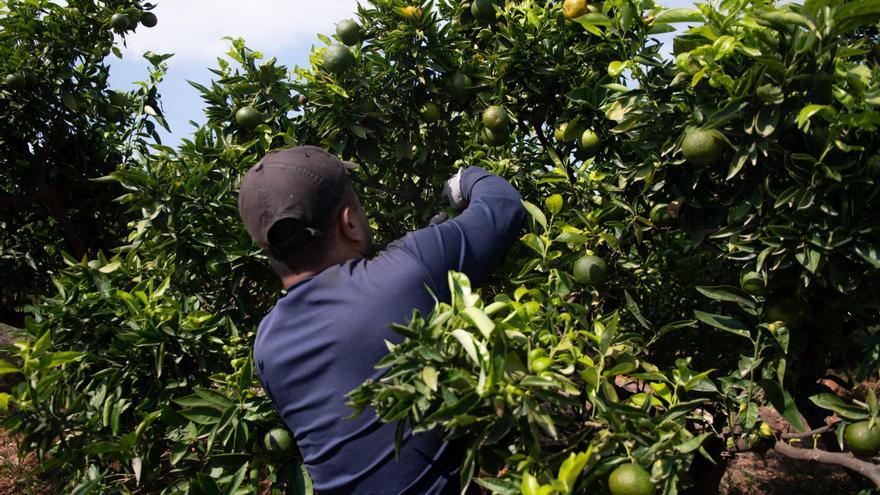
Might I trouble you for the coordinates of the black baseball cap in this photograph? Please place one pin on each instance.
(298, 188)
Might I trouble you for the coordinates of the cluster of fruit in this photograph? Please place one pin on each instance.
(588, 141)
(496, 126)
(129, 20)
(24, 80)
(336, 59)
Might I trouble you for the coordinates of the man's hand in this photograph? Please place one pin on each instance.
(452, 192)
(438, 218)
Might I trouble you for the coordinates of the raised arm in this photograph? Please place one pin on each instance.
(474, 242)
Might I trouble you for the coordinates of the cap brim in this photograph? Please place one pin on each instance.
(349, 165)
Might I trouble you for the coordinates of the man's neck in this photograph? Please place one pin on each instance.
(334, 259)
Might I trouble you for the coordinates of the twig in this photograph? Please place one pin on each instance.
(807, 434)
(865, 468)
(546, 145)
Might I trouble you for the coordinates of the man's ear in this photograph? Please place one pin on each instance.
(348, 225)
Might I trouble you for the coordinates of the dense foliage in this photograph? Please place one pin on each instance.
(703, 241)
(61, 127)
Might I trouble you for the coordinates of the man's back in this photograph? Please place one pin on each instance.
(324, 338)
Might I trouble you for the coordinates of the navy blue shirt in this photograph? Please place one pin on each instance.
(324, 337)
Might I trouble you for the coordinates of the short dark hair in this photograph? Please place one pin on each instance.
(314, 251)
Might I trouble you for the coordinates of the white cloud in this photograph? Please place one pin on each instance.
(193, 29)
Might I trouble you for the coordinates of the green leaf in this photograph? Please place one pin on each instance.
(836, 404)
(783, 403)
(856, 13)
(616, 67)
(676, 325)
(536, 213)
(807, 113)
(429, 376)
(6, 367)
(725, 323)
(467, 343)
(530, 485)
(554, 203)
(635, 311)
(571, 468)
(201, 415)
(482, 322)
(871, 254)
(672, 16)
(449, 411)
(499, 486)
(692, 444)
(60, 358)
(535, 243)
(214, 398)
(236, 480)
(110, 267)
(729, 294)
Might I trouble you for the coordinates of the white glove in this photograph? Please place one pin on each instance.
(452, 192)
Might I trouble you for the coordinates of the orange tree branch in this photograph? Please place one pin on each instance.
(847, 460)
(807, 434)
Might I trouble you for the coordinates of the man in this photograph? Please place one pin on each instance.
(324, 337)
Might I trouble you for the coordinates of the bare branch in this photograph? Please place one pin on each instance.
(847, 460)
(807, 434)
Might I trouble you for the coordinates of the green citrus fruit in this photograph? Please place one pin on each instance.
(536, 353)
(348, 32)
(495, 118)
(863, 440)
(279, 443)
(630, 479)
(483, 10)
(574, 8)
(133, 17)
(752, 282)
(701, 148)
(660, 215)
(559, 132)
(337, 58)
(495, 138)
(568, 133)
(540, 364)
(16, 81)
(459, 85)
(149, 19)
(431, 112)
(589, 143)
(248, 117)
(590, 270)
(120, 22)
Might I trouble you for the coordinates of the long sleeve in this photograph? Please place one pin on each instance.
(474, 242)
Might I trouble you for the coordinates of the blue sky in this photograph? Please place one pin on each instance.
(193, 30)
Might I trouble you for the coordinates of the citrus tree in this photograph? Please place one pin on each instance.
(702, 245)
(62, 126)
